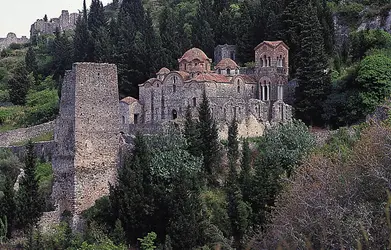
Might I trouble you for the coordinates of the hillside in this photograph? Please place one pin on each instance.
(187, 188)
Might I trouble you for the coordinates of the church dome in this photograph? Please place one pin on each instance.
(227, 63)
(193, 54)
(163, 71)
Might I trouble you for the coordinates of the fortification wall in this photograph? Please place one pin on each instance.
(24, 134)
(64, 22)
(10, 39)
(43, 150)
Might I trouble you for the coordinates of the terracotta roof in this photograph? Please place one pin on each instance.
(247, 78)
(211, 77)
(198, 68)
(163, 71)
(273, 44)
(227, 63)
(184, 74)
(129, 100)
(193, 54)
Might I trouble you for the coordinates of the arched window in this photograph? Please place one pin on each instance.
(194, 102)
(261, 62)
(266, 93)
(270, 61)
(158, 85)
(174, 88)
(174, 114)
(228, 71)
(174, 79)
(252, 89)
(238, 89)
(265, 60)
(123, 119)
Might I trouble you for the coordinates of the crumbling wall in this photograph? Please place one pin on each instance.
(10, 39)
(24, 134)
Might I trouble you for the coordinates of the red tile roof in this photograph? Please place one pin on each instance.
(211, 77)
(227, 63)
(247, 78)
(273, 44)
(193, 54)
(184, 74)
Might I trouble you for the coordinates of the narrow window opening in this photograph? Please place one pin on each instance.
(123, 119)
(194, 102)
(174, 114)
(135, 118)
(238, 89)
(174, 88)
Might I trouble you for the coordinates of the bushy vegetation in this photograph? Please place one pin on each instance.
(335, 202)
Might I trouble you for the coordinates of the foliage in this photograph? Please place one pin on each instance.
(29, 202)
(209, 144)
(366, 40)
(42, 106)
(147, 243)
(3, 229)
(374, 80)
(19, 85)
(280, 151)
(346, 198)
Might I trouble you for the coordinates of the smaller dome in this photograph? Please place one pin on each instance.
(129, 100)
(163, 71)
(193, 54)
(227, 63)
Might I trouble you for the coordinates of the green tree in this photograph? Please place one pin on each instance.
(19, 85)
(374, 81)
(280, 150)
(312, 69)
(8, 206)
(148, 242)
(209, 140)
(246, 177)
(28, 200)
(62, 55)
(31, 61)
(191, 134)
(82, 39)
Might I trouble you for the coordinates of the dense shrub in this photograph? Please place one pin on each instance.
(337, 204)
(42, 106)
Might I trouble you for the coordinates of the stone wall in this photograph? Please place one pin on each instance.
(43, 150)
(88, 138)
(64, 22)
(10, 39)
(24, 134)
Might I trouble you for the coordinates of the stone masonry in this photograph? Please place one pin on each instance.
(87, 135)
(10, 39)
(65, 22)
(255, 100)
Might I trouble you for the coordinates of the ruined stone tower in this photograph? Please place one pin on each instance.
(87, 136)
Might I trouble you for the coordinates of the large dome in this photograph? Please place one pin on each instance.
(193, 54)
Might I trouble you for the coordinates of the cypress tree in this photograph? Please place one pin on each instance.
(314, 81)
(31, 61)
(19, 85)
(98, 52)
(191, 134)
(245, 34)
(203, 27)
(62, 55)
(169, 27)
(245, 179)
(209, 140)
(238, 210)
(28, 199)
(82, 39)
(7, 205)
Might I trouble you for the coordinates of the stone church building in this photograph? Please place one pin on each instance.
(256, 99)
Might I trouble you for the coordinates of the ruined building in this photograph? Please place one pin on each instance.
(87, 137)
(65, 22)
(10, 39)
(255, 99)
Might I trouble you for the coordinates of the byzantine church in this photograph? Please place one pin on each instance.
(253, 96)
